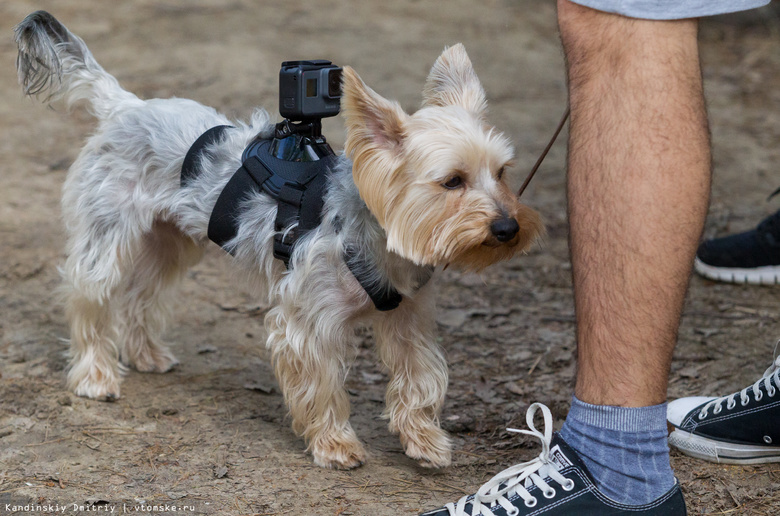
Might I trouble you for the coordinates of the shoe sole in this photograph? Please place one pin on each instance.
(769, 275)
(722, 452)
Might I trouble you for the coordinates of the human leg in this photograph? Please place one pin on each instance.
(638, 185)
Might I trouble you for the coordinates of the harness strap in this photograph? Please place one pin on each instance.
(384, 297)
(288, 213)
(189, 169)
(223, 224)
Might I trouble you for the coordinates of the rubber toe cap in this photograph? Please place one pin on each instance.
(677, 410)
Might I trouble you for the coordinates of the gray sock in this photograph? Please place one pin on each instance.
(625, 449)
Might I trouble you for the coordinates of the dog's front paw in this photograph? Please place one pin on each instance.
(430, 447)
(339, 452)
(95, 384)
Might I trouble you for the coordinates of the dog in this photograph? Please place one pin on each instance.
(411, 194)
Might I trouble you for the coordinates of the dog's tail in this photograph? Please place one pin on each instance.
(53, 64)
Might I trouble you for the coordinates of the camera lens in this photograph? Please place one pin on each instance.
(334, 83)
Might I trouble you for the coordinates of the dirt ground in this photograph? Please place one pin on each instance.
(213, 433)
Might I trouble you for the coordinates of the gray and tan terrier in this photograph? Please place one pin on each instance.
(411, 193)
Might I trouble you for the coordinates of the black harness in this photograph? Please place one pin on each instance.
(299, 189)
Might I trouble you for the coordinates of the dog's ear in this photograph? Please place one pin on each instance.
(452, 81)
(370, 118)
(375, 136)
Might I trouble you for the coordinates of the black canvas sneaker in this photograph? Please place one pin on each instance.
(556, 483)
(742, 428)
(750, 257)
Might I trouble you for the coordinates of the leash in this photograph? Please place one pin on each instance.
(546, 150)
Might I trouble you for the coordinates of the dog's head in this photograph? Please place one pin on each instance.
(434, 179)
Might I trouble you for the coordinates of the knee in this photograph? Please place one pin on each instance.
(601, 45)
(578, 24)
(593, 41)
(573, 19)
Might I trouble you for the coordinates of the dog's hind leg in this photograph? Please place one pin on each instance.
(142, 304)
(94, 366)
(406, 342)
(97, 257)
(310, 367)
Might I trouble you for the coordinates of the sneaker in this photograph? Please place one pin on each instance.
(742, 428)
(750, 257)
(556, 483)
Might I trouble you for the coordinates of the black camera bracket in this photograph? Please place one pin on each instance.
(310, 128)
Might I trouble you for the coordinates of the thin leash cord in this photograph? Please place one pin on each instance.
(546, 150)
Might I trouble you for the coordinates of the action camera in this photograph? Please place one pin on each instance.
(309, 90)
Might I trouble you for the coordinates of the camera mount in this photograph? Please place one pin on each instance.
(301, 141)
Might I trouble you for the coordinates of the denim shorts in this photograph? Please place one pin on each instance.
(671, 9)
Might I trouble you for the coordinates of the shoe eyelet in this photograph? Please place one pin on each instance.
(759, 395)
(531, 502)
(702, 415)
(771, 392)
(744, 402)
(731, 404)
(550, 493)
(717, 409)
(514, 512)
(568, 486)
(767, 439)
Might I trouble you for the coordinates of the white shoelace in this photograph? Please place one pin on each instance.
(517, 479)
(772, 373)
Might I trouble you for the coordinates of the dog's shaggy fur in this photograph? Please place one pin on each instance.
(411, 193)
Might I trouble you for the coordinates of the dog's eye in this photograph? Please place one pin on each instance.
(453, 182)
(500, 173)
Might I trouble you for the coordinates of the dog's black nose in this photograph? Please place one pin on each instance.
(504, 229)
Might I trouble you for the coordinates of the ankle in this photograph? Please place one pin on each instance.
(625, 449)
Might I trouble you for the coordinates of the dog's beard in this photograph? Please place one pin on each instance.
(466, 242)
(431, 228)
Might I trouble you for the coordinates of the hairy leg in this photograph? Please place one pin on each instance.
(143, 301)
(638, 187)
(406, 342)
(311, 368)
(94, 268)
(94, 369)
